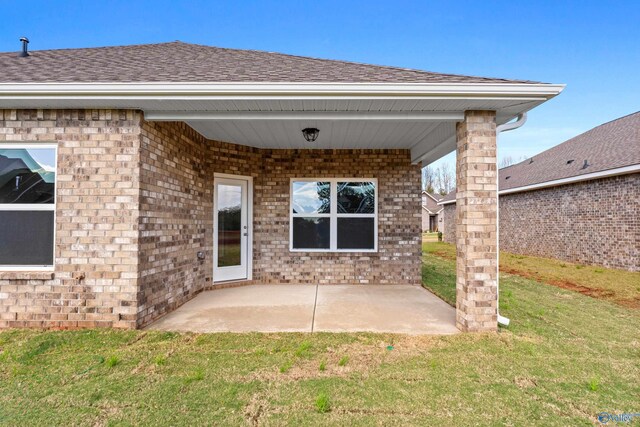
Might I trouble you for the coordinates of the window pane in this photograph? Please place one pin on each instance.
(356, 233)
(311, 233)
(229, 225)
(311, 197)
(26, 237)
(27, 175)
(356, 197)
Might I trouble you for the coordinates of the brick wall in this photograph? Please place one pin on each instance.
(476, 261)
(594, 222)
(449, 218)
(96, 263)
(135, 205)
(399, 221)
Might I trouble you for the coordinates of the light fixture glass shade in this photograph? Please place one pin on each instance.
(310, 134)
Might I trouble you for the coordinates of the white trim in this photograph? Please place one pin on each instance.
(586, 177)
(236, 90)
(333, 215)
(430, 195)
(414, 116)
(249, 201)
(426, 209)
(35, 206)
(563, 181)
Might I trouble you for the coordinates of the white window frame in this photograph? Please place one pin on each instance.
(333, 215)
(34, 206)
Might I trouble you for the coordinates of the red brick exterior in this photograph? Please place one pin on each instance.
(593, 222)
(135, 205)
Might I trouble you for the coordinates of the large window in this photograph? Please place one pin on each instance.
(334, 215)
(27, 206)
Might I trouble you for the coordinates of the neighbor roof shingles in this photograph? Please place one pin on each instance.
(612, 145)
(191, 63)
(609, 146)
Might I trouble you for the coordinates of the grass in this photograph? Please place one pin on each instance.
(322, 403)
(565, 358)
(618, 286)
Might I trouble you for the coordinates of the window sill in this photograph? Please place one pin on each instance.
(27, 275)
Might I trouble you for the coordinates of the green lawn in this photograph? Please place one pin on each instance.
(618, 286)
(565, 358)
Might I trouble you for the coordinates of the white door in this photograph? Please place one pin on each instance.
(231, 229)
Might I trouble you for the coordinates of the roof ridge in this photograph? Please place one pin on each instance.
(101, 47)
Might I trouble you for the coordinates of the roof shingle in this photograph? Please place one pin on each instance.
(612, 145)
(609, 146)
(191, 63)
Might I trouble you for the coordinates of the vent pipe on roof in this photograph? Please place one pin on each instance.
(25, 50)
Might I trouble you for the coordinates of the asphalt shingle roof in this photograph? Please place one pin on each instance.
(609, 146)
(612, 145)
(192, 63)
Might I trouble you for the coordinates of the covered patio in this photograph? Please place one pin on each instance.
(321, 308)
(225, 166)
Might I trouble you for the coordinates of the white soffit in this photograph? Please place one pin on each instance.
(416, 116)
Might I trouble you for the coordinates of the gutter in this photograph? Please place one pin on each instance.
(217, 90)
(564, 181)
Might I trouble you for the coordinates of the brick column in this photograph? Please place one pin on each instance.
(476, 177)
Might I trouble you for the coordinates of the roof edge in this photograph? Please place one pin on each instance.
(501, 90)
(625, 170)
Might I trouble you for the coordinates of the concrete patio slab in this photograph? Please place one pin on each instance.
(309, 308)
(273, 308)
(382, 308)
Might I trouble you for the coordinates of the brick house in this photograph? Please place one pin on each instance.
(578, 201)
(431, 218)
(176, 168)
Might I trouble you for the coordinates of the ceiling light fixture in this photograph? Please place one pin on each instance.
(310, 134)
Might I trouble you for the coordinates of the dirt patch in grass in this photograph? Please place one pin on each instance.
(599, 293)
(616, 286)
(361, 358)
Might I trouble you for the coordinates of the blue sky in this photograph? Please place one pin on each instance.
(590, 46)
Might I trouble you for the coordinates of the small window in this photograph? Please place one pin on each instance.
(334, 215)
(27, 205)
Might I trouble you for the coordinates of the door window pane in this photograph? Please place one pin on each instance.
(356, 233)
(356, 197)
(27, 175)
(311, 197)
(26, 238)
(229, 207)
(311, 233)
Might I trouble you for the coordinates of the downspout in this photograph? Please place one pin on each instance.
(521, 120)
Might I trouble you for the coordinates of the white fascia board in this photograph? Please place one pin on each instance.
(269, 90)
(571, 180)
(586, 177)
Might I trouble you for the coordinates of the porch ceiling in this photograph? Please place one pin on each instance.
(419, 117)
(425, 126)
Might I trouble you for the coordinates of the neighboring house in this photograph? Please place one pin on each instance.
(181, 168)
(578, 201)
(431, 218)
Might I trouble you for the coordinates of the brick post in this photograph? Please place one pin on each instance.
(476, 175)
